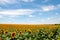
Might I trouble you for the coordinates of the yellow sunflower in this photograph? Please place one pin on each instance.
(13, 34)
(29, 30)
(6, 32)
(25, 30)
(20, 32)
(0, 31)
(51, 34)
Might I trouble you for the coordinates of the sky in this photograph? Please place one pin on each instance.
(29, 11)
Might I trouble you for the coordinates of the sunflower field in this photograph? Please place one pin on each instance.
(29, 32)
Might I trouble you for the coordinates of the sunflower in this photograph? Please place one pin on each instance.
(20, 32)
(37, 30)
(25, 30)
(29, 30)
(13, 34)
(6, 32)
(0, 31)
(46, 31)
(51, 34)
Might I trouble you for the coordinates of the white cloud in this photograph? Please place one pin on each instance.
(48, 8)
(17, 12)
(42, 20)
(12, 16)
(31, 16)
(27, 0)
(48, 19)
(7, 1)
(10, 22)
(1, 16)
(13, 1)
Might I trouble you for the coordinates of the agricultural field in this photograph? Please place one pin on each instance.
(29, 31)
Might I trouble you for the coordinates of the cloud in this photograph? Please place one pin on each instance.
(17, 12)
(7, 1)
(31, 16)
(27, 0)
(49, 21)
(1, 16)
(13, 1)
(50, 7)
(48, 18)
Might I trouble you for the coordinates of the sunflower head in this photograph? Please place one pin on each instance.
(13, 34)
(37, 30)
(29, 30)
(20, 32)
(46, 31)
(51, 33)
(6, 32)
(25, 30)
(0, 31)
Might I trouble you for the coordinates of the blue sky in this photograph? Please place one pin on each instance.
(30, 11)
